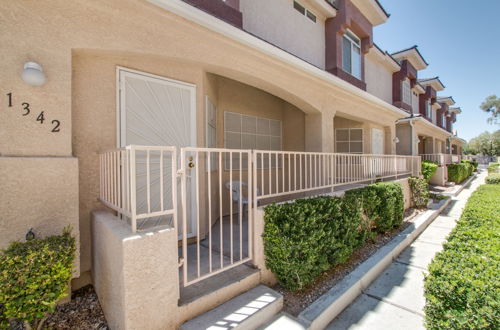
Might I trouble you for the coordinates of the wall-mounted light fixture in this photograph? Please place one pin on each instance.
(33, 74)
(30, 235)
(395, 140)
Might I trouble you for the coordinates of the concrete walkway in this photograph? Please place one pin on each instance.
(395, 300)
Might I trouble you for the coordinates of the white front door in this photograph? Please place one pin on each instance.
(377, 141)
(155, 111)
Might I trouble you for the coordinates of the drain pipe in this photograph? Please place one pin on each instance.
(413, 141)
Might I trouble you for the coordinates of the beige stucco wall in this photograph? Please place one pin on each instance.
(378, 77)
(342, 122)
(135, 275)
(79, 44)
(38, 193)
(269, 19)
(94, 117)
(440, 177)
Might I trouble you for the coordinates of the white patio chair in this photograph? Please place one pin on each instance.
(236, 194)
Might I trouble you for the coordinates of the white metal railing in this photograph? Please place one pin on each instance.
(281, 173)
(442, 159)
(139, 183)
(218, 190)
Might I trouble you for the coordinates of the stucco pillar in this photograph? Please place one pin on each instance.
(430, 145)
(135, 275)
(320, 131)
(390, 134)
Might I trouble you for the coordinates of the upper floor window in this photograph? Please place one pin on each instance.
(406, 91)
(428, 109)
(351, 54)
(443, 122)
(304, 11)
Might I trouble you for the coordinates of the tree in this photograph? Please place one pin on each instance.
(491, 105)
(485, 143)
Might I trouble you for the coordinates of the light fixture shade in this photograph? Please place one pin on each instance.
(395, 140)
(33, 74)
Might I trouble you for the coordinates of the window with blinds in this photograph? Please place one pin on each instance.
(250, 132)
(406, 91)
(349, 140)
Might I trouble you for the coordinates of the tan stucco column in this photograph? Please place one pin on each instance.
(431, 145)
(320, 131)
(390, 134)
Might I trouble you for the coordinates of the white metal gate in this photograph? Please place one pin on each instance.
(222, 211)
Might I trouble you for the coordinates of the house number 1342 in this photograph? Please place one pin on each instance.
(40, 116)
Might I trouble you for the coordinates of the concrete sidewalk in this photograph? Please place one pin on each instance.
(395, 300)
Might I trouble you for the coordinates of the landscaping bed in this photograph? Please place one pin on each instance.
(463, 288)
(296, 302)
(82, 312)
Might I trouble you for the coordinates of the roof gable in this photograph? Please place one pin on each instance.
(433, 82)
(413, 56)
(372, 10)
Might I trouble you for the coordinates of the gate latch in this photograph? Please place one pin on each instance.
(190, 164)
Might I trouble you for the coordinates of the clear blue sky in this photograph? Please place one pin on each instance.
(460, 40)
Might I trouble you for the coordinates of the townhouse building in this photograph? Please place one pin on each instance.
(181, 113)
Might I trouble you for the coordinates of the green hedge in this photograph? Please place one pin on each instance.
(493, 167)
(34, 275)
(462, 289)
(419, 191)
(472, 162)
(307, 237)
(493, 178)
(459, 172)
(428, 169)
(385, 206)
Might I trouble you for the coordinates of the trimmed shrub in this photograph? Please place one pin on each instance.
(307, 237)
(459, 172)
(472, 162)
(462, 289)
(419, 191)
(388, 210)
(34, 275)
(494, 168)
(428, 169)
(493, 178)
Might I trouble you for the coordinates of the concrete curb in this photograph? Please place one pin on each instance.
(322, 311)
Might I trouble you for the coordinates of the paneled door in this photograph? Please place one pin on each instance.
(155, 111)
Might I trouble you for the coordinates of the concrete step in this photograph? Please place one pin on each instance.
(249, 310)
(284, 321)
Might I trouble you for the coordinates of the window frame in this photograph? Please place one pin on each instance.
(349, 141)
(304, 11)
(355, 42)
(428, 109)
(256, 134)
(406, 93)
